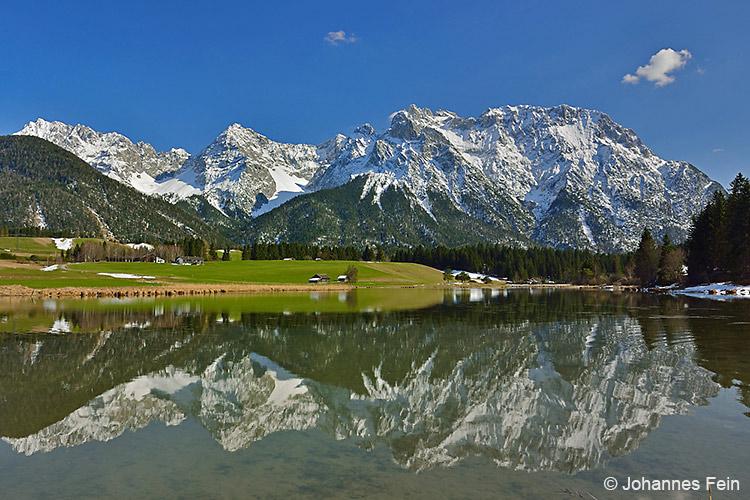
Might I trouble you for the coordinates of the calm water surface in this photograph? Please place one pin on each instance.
(375, 394)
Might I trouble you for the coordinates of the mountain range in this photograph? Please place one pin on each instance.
(47, 187)
(520, 175)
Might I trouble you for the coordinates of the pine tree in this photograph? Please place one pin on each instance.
(671, 263)
(646, 259)
(707, 243)
(738, 229)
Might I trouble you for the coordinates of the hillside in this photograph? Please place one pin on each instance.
(45, 186)
(344, 216)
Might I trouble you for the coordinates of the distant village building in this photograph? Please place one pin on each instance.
(189, 261)
(320, 278)
(149, 257)
(120, 258)
(343, 278)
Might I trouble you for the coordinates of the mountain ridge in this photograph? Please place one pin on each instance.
(559, 176)
(48, 187)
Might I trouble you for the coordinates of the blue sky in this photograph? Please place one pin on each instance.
(176, 74)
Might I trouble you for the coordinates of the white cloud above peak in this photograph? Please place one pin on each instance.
(660, 67)
(340, 36)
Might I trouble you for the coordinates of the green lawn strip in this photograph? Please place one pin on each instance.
(60, 278)
(271, 271)
(41, 247)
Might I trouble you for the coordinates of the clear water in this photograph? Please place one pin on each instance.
(375, 394)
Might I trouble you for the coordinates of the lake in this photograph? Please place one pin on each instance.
(390, 393)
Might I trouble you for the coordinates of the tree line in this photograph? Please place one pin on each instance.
(299, 251)
(718, 248)
(34, 232)
(519, 264)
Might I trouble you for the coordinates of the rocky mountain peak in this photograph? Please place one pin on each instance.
(562, 176)
(364, 130)
(111, 153)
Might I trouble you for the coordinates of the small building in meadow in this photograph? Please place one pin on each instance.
(188, 260)
(343, 278)
(150, 257)
(320, 278)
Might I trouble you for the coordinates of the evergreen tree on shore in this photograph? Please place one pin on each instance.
(719, 243)
(647, 259)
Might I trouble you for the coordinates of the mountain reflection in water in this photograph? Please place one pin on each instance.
(558, 381)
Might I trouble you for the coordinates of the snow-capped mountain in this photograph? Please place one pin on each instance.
(243, 172)
(114, 155)
(561, 176)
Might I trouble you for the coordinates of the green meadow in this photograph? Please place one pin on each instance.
(271, 271)
(41, 247)
(213, 272)
(247, 271)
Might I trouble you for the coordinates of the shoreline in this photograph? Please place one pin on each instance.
(162, 290)
(197, 289)
(193, 289)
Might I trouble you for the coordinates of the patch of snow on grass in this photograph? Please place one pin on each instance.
(51, 268)
(63, 243)
(127, 276)
(475, 276)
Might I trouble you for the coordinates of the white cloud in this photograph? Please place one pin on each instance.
(340, 36)
(719, 150)
(659, 67)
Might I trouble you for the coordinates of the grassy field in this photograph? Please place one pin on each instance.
(235, 271)
(41, 247)
(272, 271)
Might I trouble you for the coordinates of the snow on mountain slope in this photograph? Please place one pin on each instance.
(561, 176)
(243, 172)
(240, 172)
(112, 154)
(567, 177)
